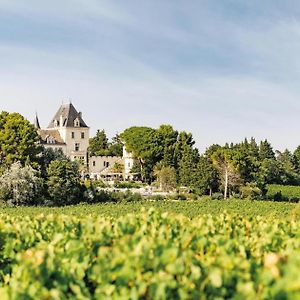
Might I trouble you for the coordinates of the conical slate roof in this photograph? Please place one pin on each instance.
(36, 122)
(69, 114)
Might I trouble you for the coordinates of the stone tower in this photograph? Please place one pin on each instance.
(68, 131)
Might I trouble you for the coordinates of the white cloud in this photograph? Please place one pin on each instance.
(238, 92)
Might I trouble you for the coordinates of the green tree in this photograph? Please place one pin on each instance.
(296, 159)
(289, 175)
(207, 178)
(18, 140)
(145, 145)
(64, 185)
(184, 139)
(49, 155)
(266, 151)
(116, 146)
(166, 176)
(99, 144)
(188, 166)
(168, 137)
(229, 174)
(21, 185)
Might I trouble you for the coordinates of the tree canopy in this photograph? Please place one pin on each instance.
(18, 140)
(164, 146)
(99, 145)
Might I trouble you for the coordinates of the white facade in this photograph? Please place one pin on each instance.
(128, 160)
(63, 148)
(99, 165)
(77, 142)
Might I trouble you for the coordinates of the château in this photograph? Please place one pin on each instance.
(68, 132)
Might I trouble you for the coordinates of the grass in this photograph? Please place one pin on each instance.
(191, 209)
(283, 192)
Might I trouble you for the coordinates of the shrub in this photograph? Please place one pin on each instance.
(217, 196)
(64, 185)
(166, 176)
(101, 196)
(250, 191)
(181, 197)
(127, 185)
(283, 192)
(158, 197)
(21, 185)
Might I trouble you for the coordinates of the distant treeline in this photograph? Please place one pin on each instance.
(243, 169)
(163, 156)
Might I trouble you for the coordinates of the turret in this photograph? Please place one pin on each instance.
(36, 122)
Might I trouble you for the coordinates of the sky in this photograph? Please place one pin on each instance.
(223, 70)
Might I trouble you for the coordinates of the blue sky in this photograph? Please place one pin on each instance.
(224, 70)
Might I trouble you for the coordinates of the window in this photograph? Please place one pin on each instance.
(94, 164)
(104, 164)
(76, 123)
(50, 140)
(77, 146)
(73, 135)
(107, 164)
(129, 165)
(82, 135)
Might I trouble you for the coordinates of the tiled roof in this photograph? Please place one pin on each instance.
(51, 133)
(69, 115)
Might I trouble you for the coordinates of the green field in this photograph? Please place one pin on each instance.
(148, 255)
(190, 209)
(283, 192)
(202, 249)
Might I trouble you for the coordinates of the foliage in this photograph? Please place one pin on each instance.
(166, 176)
(116, 146)
(187, 166)
(64, 185)
(128, 185)
(21, 185)
(99, 145)
(149, 255)
(250, 191)
(103, 196)
(289, 175)
(229, 173)
(18, 140)
(191, 209)
(163, 146)
(117, 168)
(207, 177)
(283, 192)
(48, 155)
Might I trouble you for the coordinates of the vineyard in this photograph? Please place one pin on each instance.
(191, 209)
(283, 192)
(149, 255)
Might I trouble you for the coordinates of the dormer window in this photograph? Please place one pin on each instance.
(76, 122)
(50, 140)
(56, 123)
